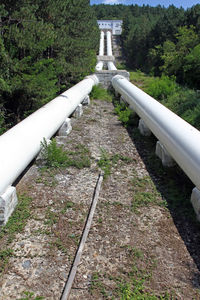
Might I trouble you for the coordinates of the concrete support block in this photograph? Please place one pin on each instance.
(78, 111)
(164, 155)
(195, 200)
(8, 202)
(86, 101)
(66, 128)
(144, 130)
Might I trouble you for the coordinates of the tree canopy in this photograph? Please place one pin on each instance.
(45, 47)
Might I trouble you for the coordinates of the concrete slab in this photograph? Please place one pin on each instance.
(144, 130)
(8, 202)
(78, 111)
(164, 155)
(66, 128)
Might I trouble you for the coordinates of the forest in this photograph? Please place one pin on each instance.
(45, 47)
(48, 46)
(159, 40)
(165, 44)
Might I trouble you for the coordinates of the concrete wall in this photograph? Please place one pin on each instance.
(105, 76)
(114, 25)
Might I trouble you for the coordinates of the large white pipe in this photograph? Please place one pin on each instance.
(111, 66)
(109, 44)
(101, 46)
(99, 66)
(180, 139)
(20, 144)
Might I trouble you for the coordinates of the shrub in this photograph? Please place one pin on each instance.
(162, 87)
(55, 156)
(125, 114)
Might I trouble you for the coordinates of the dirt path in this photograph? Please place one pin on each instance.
(133, 249)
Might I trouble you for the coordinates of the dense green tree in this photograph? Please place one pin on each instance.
(174, 54)
(45, 47)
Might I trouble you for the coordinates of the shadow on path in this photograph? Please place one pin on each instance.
(175, 188)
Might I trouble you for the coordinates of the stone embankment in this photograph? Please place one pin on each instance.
(134, 242)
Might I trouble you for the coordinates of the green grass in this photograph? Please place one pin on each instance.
(133, 287)
(107, 161)
(30, 296)
(100, 93)
(56, 157)
(145, 193)
(15, 224)
(181, 100)
(125, 114)
(4, 258)
(68, 205)
(141, 80)
(60, 245)
(51, 217)
(17, 221)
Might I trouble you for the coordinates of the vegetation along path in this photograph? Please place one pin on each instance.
(144, 240)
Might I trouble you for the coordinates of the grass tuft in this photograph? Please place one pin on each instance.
(100, 93)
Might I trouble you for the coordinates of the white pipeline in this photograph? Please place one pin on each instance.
(180, 139)
(111, 66)
(99, 66)
(101, 46)
(20, 144)
(109, 44)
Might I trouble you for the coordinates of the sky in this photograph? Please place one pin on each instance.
(178, 3)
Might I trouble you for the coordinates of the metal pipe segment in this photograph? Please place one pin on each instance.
(180, 139)
(20, 144)
(101, 46)
(111, 66)
(99, 66)
(109, 44)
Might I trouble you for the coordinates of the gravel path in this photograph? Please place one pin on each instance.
(125, 247)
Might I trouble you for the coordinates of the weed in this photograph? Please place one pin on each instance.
(47, 177)
(59, 244)
(56, 157)
(125, 114)
(42, 231)
(100, 220)
(53, 155)
(17, 221)
(68, 205)
(108, 161)
(105, 163)
(30, 296)
(51, 217)
(97, 284)
(135, 252)
(4, 258)
(145, 193)
(101, 94)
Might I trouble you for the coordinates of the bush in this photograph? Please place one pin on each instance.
(55, 156)
(186, 104)
(162, 87)
(125, 114)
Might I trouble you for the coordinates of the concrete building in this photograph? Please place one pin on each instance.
(114, 25)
